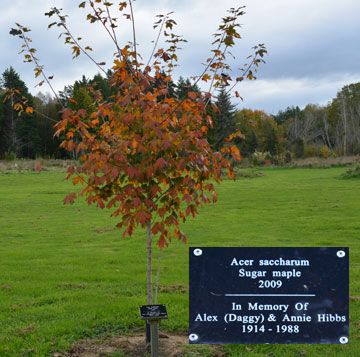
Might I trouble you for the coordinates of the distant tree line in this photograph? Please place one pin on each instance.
(316, 130)
(325, 130)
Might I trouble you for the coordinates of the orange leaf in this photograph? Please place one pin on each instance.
(192, 95)
(235, 152)
(122, 5)
(77, 179)
(206, 77)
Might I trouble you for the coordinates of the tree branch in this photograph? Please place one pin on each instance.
(134, 34)
(38, 65)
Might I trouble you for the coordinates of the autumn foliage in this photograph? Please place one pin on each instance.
(143, 153)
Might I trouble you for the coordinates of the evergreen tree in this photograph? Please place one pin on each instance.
(47, 111)
(3, 143)
(183, 87)
(224, 119)
(290, 112)
(102, 84)
(18, 133)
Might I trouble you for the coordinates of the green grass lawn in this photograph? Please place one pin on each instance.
(66, 274)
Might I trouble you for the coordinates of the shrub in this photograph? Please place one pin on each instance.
(325, 152)
(282, 159)
(298, 148)
(261, 158)
(353, 173)
(288, 157)
(311, 151)
(9, 156)
(249, 173)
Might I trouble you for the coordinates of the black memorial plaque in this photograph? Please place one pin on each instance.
(269, 295)
(155, 312)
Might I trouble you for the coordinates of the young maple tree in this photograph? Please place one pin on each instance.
(143, 153)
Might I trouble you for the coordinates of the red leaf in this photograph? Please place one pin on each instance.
(70, 171)
(162, 243)
(115, 172)
(137, 202)
(160, 163)
(181, 165)
(187, 198)
(180, 235)
(70, 198)
(100, 203)
(166, 144)
(157, 227)
(143, 217)
(165, 57)
(133, 172)
(154, 190)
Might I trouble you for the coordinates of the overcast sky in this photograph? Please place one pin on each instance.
(313, 45)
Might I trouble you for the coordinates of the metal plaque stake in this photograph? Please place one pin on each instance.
(154, 340)
(153, 314)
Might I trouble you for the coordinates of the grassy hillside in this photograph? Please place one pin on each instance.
(65, 272)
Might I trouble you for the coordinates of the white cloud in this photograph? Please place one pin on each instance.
(309, 42)
(268, 94)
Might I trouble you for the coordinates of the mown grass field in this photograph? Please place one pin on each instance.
(66, 274)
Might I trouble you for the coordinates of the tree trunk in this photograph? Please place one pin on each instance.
(326, 131)
(13, 141)
(345, 125)
(149, 263)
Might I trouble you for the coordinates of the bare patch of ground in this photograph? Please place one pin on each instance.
(176, 288)
(5, 287)
(355, 298)
(322, 162)
(170, 345)
(38, 165)
(71, 286)
(104, 230)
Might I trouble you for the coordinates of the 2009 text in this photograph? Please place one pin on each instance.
(270, 283)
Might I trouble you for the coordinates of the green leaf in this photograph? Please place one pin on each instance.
(38, 71)
(50, 13)
(76, 51)
(229, 41)
(15, 32)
